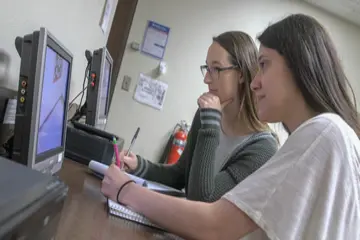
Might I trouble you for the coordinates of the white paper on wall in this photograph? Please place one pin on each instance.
(151, 92)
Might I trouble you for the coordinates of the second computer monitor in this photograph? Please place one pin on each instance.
(97, 98)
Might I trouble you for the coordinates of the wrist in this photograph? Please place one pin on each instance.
(140, 167)
(210, 118)
(124, 190)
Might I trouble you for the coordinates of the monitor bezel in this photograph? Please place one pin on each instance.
(107, 58)
(93, 116)
(47, 39)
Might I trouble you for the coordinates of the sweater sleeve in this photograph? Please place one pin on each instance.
(208, 186)
(172, 175)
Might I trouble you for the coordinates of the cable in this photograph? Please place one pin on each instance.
(79, 114)
(84, 82)
(88, 56)
(79, 111)
(82, 91)
(71, 103)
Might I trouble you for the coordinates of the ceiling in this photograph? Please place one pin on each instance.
(347, 9)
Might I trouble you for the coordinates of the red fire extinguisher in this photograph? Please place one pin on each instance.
(180, 134)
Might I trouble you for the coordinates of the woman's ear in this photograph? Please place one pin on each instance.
(240, 77)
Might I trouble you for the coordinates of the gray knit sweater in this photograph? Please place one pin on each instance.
(195, 170)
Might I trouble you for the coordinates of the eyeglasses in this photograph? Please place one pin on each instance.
(214, 71)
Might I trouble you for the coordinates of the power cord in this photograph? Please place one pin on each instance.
(88, 56)
(84, 82)
(78, 113)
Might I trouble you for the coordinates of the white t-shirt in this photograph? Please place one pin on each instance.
(310, 189)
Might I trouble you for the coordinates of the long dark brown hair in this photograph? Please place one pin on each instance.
(244, 54)
(311, 56)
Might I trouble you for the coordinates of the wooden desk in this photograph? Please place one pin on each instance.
(84, 215)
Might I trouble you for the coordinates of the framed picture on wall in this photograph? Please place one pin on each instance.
(105, 17)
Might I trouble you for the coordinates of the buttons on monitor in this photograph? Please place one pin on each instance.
(93, 78)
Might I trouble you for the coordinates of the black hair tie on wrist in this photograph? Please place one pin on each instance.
(121, 188)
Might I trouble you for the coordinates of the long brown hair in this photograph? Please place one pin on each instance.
(311, 56)
(244, 54)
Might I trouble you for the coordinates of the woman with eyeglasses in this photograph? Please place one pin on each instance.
(310, 189)
(227, 142)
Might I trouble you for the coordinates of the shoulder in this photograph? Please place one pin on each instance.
(324, 121)
(265, 136)
(323, 142)
(261, 140)
(252, 154)
(325, 130)
(257, 145)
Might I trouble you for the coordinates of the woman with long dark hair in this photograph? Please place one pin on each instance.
(310, 189)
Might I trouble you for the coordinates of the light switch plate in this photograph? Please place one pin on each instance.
(126, 83)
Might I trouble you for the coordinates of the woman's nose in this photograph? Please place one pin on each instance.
(207, 78)
(255, 83)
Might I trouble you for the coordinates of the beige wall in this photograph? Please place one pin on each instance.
(74, 22)
(193, 24)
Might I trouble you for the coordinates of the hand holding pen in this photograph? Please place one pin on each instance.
(126, 159)
(130, 161)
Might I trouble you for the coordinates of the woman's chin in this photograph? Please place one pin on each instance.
(265, 117)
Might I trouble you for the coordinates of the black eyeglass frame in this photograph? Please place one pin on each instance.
(205, 68)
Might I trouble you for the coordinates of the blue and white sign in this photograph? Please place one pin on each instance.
(155, 40)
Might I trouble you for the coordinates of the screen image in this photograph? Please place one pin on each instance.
(104, 89)
(52, 105)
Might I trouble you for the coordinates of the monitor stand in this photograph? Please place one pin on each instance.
(51, 165)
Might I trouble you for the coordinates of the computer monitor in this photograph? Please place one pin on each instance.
(41, 112)
(97, 97)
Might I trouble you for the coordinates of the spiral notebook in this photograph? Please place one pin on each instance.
(126, 213)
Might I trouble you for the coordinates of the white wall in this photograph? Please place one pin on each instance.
(193, 24)
(74, 22)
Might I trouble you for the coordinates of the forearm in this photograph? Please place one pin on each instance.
(187, 219)
(202, 174)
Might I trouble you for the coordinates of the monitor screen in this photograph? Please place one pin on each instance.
(52, 105)
(104, 89)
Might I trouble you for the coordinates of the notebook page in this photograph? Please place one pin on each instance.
(126, 213)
